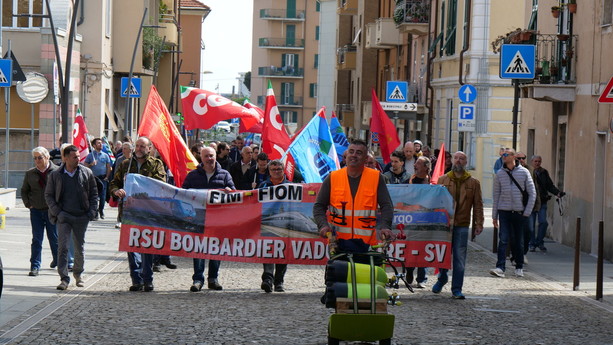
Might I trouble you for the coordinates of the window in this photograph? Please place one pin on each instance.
(290, 39)
(316, 61)
(452, 20)
(9, 8)
(107, 22)
(287, 93)
(317, 6)
(289, 117)
(313, 90)
(317, 33)
(607, 12)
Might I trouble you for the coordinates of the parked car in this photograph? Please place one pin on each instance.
(223, 126)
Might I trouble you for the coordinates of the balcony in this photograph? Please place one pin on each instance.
(555, 68)
(282, 43)
(281, 72)
(412, 16)
(346, 57)
(346, 114)
(290, 102)
(382, 34)
(282, 14)
(347, 7)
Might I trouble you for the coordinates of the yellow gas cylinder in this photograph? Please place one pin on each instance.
(2, 216)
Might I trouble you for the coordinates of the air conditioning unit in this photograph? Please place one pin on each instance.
(386, 33)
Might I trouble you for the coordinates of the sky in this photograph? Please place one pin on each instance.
(226, 33)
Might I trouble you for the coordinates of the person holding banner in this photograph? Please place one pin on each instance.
(258, 173)
(274, 273)
(208, 175)
(397, 174)
(351, 196)
(466, 193)
(143, 163)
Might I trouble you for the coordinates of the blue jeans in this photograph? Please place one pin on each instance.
(199, 270)
(40, 220)
(511, 225)
(536, 240)
(141, 268)
(459, 245)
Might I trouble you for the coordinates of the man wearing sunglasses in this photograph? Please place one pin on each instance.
(512, 210)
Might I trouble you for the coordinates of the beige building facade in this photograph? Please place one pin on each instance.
(285, 52)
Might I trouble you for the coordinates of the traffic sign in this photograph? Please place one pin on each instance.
(466, 118)
(6, 72)
(607, 93)
(517, 61)
(399, 106)
(396, 91)
(134, 89)
(467, 93)
(18, 74)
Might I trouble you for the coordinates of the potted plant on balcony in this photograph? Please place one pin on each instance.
(563, 37)
(555, 11)
(553, 70)
(572, 6)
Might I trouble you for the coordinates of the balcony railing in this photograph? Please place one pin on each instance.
(285, 71)
(286, 42)
(412, 16)
(290, 101)
(346, 57)
(281, 14)
(555, 58)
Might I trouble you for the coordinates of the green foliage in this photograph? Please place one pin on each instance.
(152, 48)
(247, 81)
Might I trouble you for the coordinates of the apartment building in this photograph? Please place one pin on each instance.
(285, 51)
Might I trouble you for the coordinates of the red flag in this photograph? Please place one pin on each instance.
(158, 126)
(439, 170)
(257, 128)
(275, 139)
(79, 136)
(384, 129)
(202, 109)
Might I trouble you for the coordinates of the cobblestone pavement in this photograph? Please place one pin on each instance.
(497, 311)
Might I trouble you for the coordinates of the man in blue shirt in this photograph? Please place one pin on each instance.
(100, 164)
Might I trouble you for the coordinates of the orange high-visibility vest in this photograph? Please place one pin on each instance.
(354, 217)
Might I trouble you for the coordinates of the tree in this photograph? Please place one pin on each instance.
(247, 80)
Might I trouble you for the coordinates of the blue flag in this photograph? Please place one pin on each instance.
(313, 150)
(338, 135)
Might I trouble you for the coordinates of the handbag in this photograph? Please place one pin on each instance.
(524, 194)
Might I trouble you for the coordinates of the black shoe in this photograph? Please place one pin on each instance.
(214, 285)
(33, 272)
(53, 264)
(196, 286)
(136, 287)
(266, 286)
(101, 215)
(169, 264)
(279, 288)
(156, 268)
(148, 287)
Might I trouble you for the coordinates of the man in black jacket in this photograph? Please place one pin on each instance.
(208, 175)
(239, 169)
(545, 186)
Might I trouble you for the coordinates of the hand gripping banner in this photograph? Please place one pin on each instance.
(271, 225)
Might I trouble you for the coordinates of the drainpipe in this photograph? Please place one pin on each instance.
(430, 105)
(466, 39)
(82, 16)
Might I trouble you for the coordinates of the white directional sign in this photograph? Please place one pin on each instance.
(466, 118)
(399, 106)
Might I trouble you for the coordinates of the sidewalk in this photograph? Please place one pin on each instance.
(557, 265)
(22, 292)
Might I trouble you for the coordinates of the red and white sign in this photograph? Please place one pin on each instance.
(607, 94)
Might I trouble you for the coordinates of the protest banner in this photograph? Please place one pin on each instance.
(272, 225)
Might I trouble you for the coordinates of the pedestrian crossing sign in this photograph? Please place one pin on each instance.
(396, 91)
(134, 91)
(6, 72)
(517, 61)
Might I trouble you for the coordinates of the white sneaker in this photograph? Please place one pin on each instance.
(519, 272)
(497, 272)
(420, 285)
(117, 225)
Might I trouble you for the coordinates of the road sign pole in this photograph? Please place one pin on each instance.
(515, 111)
(7, 99)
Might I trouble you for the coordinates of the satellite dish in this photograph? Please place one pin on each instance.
(34, 89)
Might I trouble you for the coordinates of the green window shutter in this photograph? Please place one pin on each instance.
(316, 63)
(311, 90)
(435, 42)
(296, 56)
(291, 8)
(317, 6)
(317, 33)
(283, 59)
(282, 93)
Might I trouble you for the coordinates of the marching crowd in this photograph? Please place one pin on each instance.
(64, 194)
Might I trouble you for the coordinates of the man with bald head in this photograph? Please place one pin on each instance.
(208, 175)
(409, 157)
(239, 169)
(466, 193)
